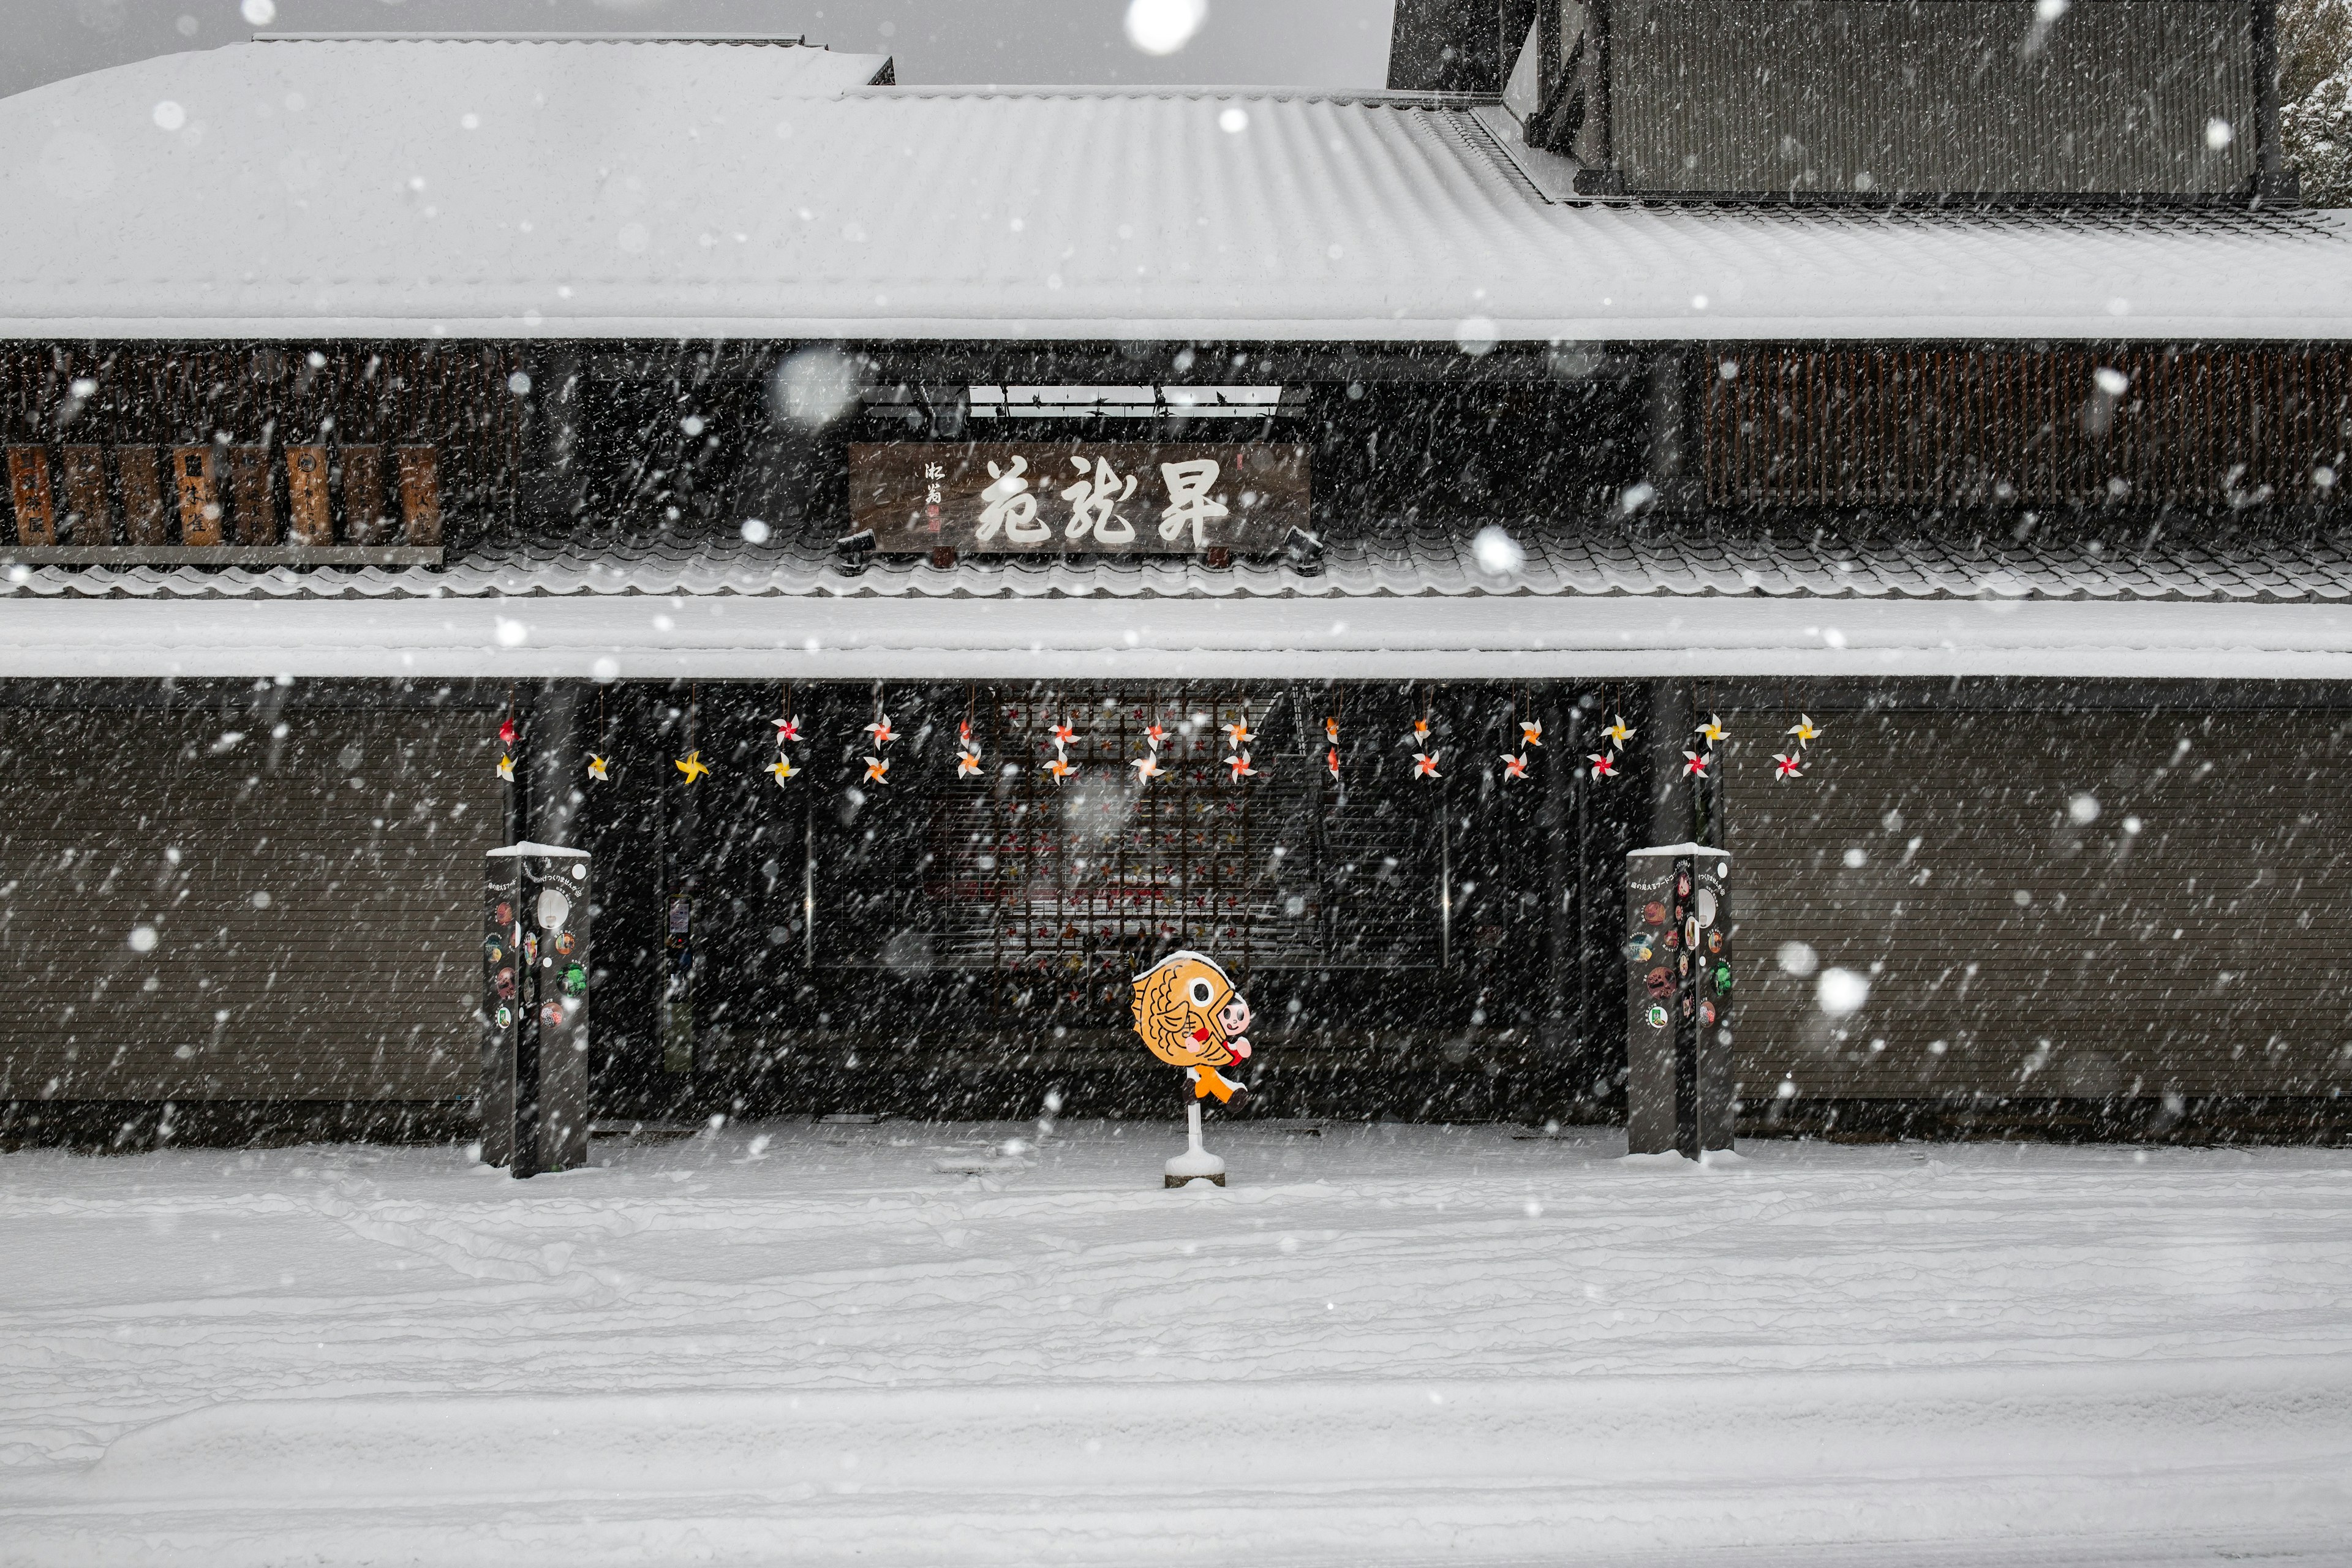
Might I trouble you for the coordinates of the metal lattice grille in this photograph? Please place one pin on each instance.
(1106, 865)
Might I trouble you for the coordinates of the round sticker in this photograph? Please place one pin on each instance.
(1651, 914)
(493, 951)
(552, 1013)
(565, 942)
(1658, 1018)
(1706, 1012)
(505, 1017)
(504, 984)
(506, 913)
(575, 981)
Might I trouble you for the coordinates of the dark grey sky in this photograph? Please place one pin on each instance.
(1305, 43)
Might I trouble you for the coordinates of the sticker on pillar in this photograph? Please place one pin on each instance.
(506, 916)
(530, 948)
(1640, 950)
(1715, 942)
(504, 984)
(1657, 1017)
(1658, 981)
(551, 1014)
(1706, 1013)
(1651, 914)
(494, 950)
(1722, 977)
(575, 981)
(505, 1017)
(1188, 1016)
(565, 941)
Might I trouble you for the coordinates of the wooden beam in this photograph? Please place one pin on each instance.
(195, 471)
(311, 518)
(28, 487)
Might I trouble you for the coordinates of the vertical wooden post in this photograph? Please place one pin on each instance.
(365, 520)
(197, 473)
(311, 518)
(28, 486)
(89, 511)
(420, 495)
(254, 494)
(142, 496)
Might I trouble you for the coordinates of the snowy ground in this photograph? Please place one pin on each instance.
(1392, 1344)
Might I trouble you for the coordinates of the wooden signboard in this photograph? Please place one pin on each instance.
(144, 519)
(28, 486)
(255, 497)
(312, 521)
(365, 521)
(196, 473)
(420, 495)
(1069, 496)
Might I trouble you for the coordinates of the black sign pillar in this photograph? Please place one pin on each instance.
(1678, 1000)
(534, 1089)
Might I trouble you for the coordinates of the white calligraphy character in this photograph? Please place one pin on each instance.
(1093, 503)
(1189, 500)
(1007, 504)
(933, 475)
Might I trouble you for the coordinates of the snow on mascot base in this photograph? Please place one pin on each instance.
(1191, 1017)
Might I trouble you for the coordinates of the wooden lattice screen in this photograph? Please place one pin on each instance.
(2138, 425)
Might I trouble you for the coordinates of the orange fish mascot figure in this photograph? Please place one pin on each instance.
(1191, 1017)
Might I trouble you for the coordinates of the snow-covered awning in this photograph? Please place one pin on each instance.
(1402, 601)
(572, 189)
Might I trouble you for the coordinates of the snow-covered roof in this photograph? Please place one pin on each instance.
(567, 189)
(1407, 600)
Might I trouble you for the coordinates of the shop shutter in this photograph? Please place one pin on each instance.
(312, 895)
(2045, 905)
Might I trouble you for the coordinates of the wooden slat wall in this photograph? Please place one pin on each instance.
(1946, 426)
(2202, 955)
(449, 399)
(354, 980)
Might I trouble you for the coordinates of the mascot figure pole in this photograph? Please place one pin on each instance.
(1189, 1017)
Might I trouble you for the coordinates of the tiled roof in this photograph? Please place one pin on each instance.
(569, 190)
(1398, 559)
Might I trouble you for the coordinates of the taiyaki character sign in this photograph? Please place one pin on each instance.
(1188, 1015)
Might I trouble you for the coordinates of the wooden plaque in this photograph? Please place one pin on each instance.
(420, 495)
(195, 473)
(254, 497)
(144, 520)
(90, 511)
(1065, 496)
(365, 521)
(28, 487)
(309, 519)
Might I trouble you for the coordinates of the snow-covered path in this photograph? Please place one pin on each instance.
(1387, 1343)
